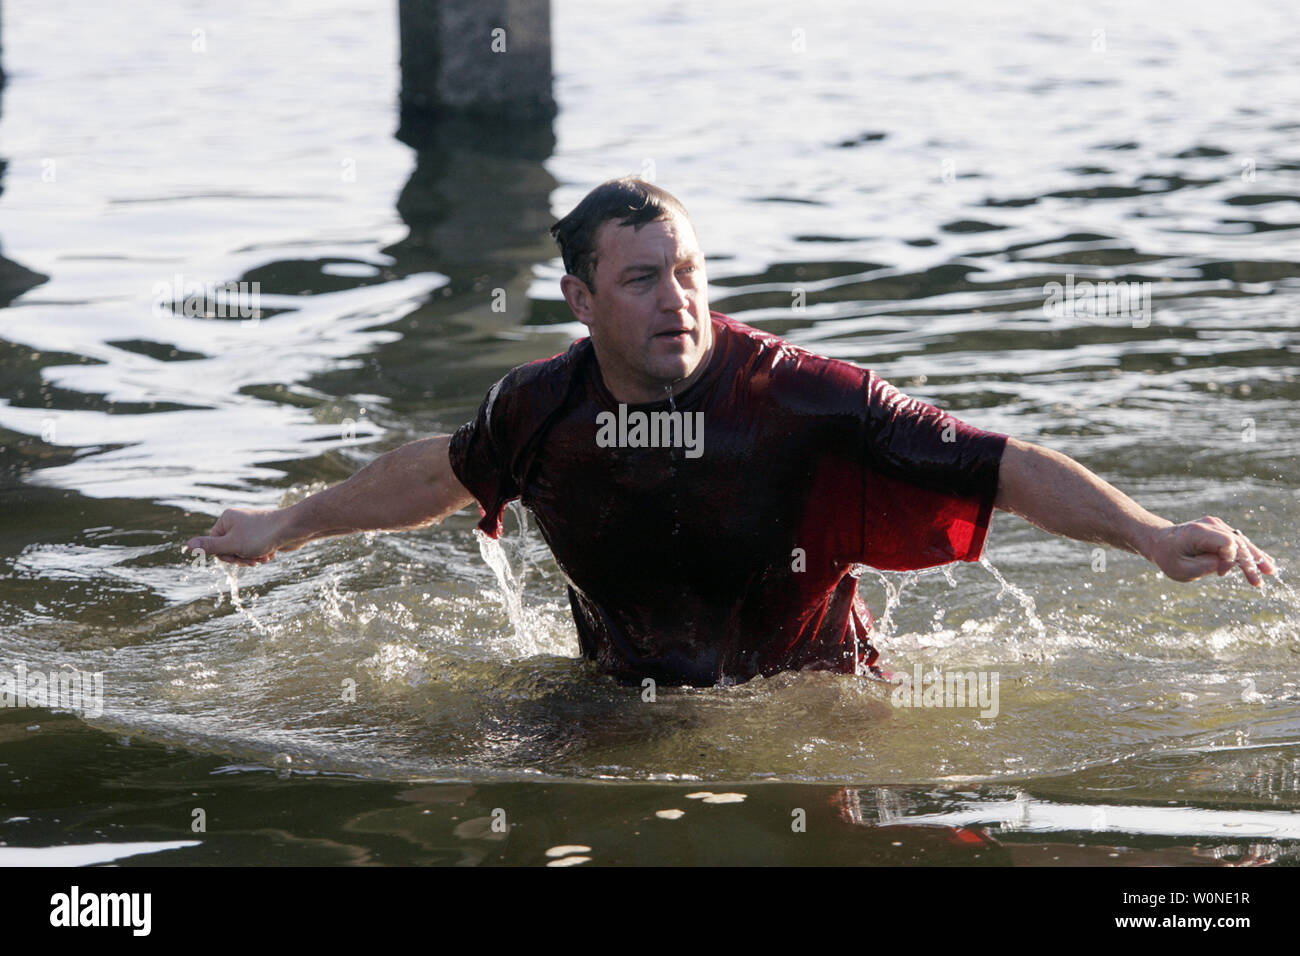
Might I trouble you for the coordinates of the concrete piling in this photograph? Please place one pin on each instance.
(476, 57)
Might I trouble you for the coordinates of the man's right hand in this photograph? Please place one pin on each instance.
(246, 537)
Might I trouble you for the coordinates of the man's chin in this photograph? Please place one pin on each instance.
(672, 367)
(675, 373)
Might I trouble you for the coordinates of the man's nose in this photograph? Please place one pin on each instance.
(672, 296)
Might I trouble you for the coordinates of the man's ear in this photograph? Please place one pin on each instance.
(578, 296)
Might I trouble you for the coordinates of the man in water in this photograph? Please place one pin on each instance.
(707, 487)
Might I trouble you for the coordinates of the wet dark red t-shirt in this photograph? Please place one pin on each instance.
(716, 561)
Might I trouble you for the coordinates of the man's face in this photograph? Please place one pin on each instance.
(649, 316)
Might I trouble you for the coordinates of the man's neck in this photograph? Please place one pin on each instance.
(659, 391)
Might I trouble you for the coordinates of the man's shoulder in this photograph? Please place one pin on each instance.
(747, 336)
(547, 378)
(766, 357)
(527, 395)
(548, 373)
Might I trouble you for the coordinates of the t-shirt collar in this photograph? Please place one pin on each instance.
(680, 399)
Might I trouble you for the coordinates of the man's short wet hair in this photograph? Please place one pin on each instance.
(628, 201)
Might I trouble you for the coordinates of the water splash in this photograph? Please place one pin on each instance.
(521, 541)
(896, 583)
(1026, 602)
(1274, 581)
(536, 630)
(511, 589)
(893, 586)
(218, 571)
(232, 579)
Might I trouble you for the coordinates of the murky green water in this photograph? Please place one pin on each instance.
(914, 178)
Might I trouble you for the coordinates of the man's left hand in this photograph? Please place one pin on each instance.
(1208, 545)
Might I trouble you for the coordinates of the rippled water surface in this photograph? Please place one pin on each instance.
(895, 188)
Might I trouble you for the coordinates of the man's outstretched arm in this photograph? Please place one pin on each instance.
(409, 487)
(1056, 493)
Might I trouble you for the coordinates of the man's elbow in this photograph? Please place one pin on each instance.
(449, 494)
(449, 497)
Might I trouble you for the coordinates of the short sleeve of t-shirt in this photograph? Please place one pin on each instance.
(930, 484)
(492, 454)
(481, 460)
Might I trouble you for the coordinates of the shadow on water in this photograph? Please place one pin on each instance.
(477, 210)
(15, 278)
(19, 371)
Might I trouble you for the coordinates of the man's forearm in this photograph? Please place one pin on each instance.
(409, 487)
(1056, 493)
